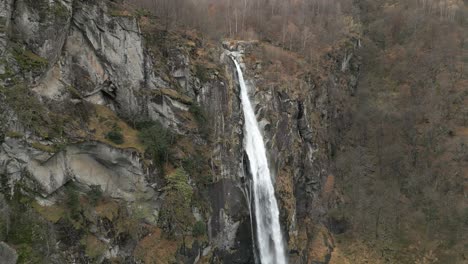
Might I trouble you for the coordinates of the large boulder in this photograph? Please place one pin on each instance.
(118, 172)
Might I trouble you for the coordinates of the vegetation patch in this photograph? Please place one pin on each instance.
(173, 94)
(28, 108)
(28, 61)
(36, 117)
(45, 148)
(154, 248)
(142, 12)
(115, 136)
(199, 229)
(120, 13)
(3, 21)
(24, 229)
(95, 194)
(157, 141)
(60, 10)
(118, 10)
(51, 213)
(398, 147)
(8, 71)
(14, 134)
(72, 201)
(75, 94)
(196, 165)
(108, 209)
(27, 254)
(202, 72)
(103, 120)
(176, 214)
(201, 118)
(94, 248)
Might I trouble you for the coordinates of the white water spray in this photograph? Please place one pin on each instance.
(269, 237)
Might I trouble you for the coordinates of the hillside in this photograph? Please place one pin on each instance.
(122, 130)
(402, 164)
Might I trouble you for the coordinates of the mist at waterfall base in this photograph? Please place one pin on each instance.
(269, 238)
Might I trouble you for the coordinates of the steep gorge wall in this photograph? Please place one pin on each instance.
(300, 113)
(76, 52)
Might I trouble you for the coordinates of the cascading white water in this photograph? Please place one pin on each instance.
(269, 237)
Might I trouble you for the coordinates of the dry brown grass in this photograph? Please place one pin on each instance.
(155, 249)
(107, 209)
(93, 246)
(176, 95)
(103, 120)
(329, 185)
(285, 189)
(51, 213)
(355, 252)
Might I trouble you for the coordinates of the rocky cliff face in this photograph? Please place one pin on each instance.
(296, 109)
(72, 71)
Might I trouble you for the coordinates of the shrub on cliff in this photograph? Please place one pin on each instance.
(27, 60)
(199, 229)
(95, 194)
(34, 114)
(157, 141)
(73, 203)
(27, 106)
(21, 227)
(115, 136)
(176, 214)
(202, 121)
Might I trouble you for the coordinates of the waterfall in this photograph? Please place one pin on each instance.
(269, 237)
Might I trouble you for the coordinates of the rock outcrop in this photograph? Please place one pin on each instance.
(118, 172)
(7, 254)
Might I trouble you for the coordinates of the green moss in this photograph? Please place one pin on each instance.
(94, 248)
(9, 73)
(14, 134)
(114, 13)
(26, 255)
(26, 231)
(45, 148)
(196, 165)
(2, 24)
(27, 107)
(60, 10)
(199, 229)
(115, 136)
(174, 95)
(176, 215)
(203, 73)
(143, 211)
(178, 182)
(95, 194)
(48, 10)
(33, 115)
(51, 213)
(202, 121)
(37, 4)
(141, 12)
(28, 61)
(157, 141)
(73, 203)
(118, 13)
(74, 92)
